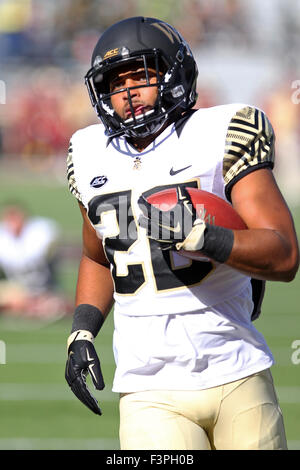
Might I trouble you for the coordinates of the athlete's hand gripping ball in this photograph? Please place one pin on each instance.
(174, 227)
(83, 360)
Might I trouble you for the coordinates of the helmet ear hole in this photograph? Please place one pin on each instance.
(177, 91)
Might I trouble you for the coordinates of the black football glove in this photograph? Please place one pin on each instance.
(178, 228)
(83, 359)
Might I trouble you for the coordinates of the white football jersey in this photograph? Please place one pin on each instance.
(211, 150)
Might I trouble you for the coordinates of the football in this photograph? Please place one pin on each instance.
(209, 207)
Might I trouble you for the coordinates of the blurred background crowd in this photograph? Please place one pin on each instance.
(246, 52)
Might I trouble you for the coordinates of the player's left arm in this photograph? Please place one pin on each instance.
(269, 249)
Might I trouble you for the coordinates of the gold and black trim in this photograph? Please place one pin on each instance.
(249, 145)
(70, 174)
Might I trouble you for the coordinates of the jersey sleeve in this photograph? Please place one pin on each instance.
(70, 174)
(249, 145)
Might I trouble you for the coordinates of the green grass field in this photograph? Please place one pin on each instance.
(37, 409)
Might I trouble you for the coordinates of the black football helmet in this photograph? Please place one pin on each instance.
(154, 44)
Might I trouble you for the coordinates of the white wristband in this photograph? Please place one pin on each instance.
(79, 335)
(195, 239)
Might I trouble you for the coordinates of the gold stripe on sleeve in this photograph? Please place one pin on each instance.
(249, 143)
(70, 174)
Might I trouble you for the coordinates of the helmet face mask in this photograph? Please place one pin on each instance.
(173, 63)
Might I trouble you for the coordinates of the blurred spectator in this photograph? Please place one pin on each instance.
(42, 114)
(204, 22)
(28, 262)
(14, 21)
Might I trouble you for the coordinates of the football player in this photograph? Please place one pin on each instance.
(192, 370)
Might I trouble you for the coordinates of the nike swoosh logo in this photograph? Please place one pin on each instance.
(90, 367)
(174, 172)
(92, 372)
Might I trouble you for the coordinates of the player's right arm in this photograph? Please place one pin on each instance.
(95, 284)
(94, 299)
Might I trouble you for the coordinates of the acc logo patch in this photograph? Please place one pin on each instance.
(111, 53)
(98, 181)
